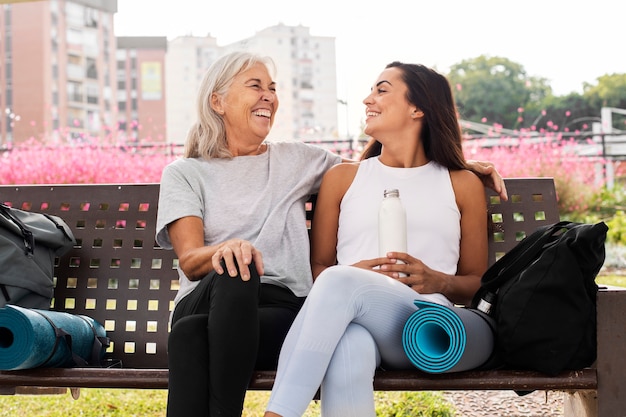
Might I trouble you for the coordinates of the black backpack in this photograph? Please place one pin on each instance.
(542, 296)
(29, 244)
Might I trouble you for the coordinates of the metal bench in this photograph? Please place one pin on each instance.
(120, 277)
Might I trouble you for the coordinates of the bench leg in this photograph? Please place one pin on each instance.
(611, 364)
(580, 404)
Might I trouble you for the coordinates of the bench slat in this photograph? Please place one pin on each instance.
(263, 380)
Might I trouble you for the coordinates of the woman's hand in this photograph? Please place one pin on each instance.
(414, 273)
(237, 252)
(406, 269)
(490, 177)
(375, 264)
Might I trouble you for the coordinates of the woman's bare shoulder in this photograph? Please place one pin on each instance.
(347, 166)
(466, 178)
(338, 178)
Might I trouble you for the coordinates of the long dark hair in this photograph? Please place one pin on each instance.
(430, 92)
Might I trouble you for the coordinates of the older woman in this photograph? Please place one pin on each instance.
(233, 211)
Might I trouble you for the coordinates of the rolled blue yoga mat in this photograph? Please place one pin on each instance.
(28, 339)
(439, 339)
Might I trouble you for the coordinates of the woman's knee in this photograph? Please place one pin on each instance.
(336, 279)
(235, 288)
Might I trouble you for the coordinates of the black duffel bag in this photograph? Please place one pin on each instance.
(542, 296)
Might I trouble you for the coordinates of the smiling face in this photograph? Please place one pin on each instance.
(388, 110)
(249, 107)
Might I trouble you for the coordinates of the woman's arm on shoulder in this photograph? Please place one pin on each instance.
(325, 224)
(489, 175)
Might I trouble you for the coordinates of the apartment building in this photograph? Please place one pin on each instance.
(64, 76)
(141, 91)
(57, 74)
(187, 59)
(306, 78)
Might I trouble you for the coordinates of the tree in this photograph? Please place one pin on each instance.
(609, 92)
(576, 113)
(570, 113)
(495, 90)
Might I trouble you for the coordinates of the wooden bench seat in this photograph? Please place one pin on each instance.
(120, 277)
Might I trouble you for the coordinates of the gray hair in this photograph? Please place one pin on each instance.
(207, 136)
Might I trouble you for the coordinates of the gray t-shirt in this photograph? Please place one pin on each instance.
(257, 198)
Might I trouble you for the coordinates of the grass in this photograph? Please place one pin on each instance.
(91, 403)
(616, 280)
(152, 403)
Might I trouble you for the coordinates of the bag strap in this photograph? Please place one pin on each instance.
(5, 293)
(512, 263)
(59, 334)
(98, 343)
(520, 256)
(29, 239)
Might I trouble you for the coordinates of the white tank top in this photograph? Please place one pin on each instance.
(433, 217)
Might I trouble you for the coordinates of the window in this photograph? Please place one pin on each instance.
(92, 71)
(74, 91)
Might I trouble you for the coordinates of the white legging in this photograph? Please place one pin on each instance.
(352, 319)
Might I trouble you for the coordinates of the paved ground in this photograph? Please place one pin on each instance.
(506, 403)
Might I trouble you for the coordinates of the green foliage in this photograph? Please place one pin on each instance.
(617, 228)
(609, 206)
(568, 113)
(493, 89)
(499, 92)
(573, 194)
(609, 92)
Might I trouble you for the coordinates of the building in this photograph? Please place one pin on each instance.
(65, 77)
(187, 59)
(57, 80)
(306, 78)
(141, 92)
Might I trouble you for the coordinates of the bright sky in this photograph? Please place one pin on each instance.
(569, 42)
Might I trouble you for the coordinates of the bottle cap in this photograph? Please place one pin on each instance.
(392, 192)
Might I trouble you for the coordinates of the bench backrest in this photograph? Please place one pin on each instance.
(120, 277)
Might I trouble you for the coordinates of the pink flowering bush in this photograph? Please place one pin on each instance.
(578, 178)
(83, 164)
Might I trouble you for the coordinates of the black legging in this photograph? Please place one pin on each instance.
(223, 330)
